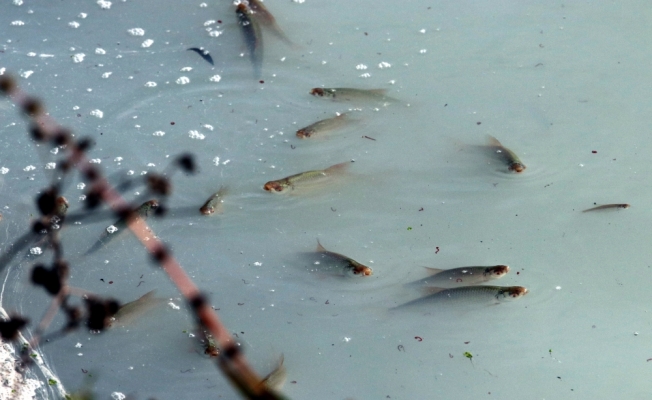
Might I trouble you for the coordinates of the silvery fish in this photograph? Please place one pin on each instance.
(505, 155)
(468, 295)
(322, 126)
(351, 266)
(350, 94)
(464, 276)
(252, 36)
(214, 203)
(267, 20)
(305, 178)
(608, 207)
(134, 310)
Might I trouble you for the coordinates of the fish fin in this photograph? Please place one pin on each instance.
(320, 248)
(148, 295)
(430, 290)
(337, 168)
(203, 53)
(433, 271)
(493, 141)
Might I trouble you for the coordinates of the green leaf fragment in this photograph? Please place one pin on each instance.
(409, 228)
(52, 382)
(468, 355)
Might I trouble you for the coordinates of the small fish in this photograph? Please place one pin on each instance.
(112, 231)
(348, 94)
(134, 310)
(352, 266)
(214, 203)
(464, 276)
(203, 53)
(210, 347)
(61, 206)
(468, 294)
(506, 155)
(305, 178)
(322, 126)
(607, 207)
(276, 379)
(252, 37)
(266, 19)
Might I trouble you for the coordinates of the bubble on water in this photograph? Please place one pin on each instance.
(50, 165)
(35, 251)
(214, 33)
(26, 74)
(216, 161)
(97, 113)
(17, 23)
(423, 51)
(82, 15)
(31, 54)
(196, 135)
(150, 84)
(258, 264)
(73, 24)
(422, 31)
(106, 75)
(365, 75)
(100, 50)
(95, 161)
(18, 2)
(384, 64)
(105, 5)
(111, 229)
(215, 78)
(46, 55)
(158, 133)
(79, 57)
(118, 395)
(360, 66)
(136, 31)
(2, 70)
(130, 172)
(147, 43)
(173, 306)
(29, 168)
(209, 127)
(183, 80)
(4, 170)
(298, 1)
(209, 22)
(81, 186)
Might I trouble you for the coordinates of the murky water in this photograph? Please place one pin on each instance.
(562, 85)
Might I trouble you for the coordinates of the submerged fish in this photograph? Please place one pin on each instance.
(130, 312)
(203, 53)
(468, 294)
(214, 203)
(607, 207)
(322, 126)
(305, 178)
(352, 266)
(252, 37)
(112, 231)
(276, 379)
(262, 14)
(349, 94)
(506, 155)
(464, 276)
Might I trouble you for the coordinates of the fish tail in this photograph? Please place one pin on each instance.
(337, 168)
(432, 271)
(320, 248)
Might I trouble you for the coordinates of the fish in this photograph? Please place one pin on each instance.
(607, 207)
(203, 53)
(119, 226)
(349, 94)
(266, 19)
(252, 37)
(305, 178)
(351, 266)
(134, 310)
(210, 347)
(276, 379)
(514, 164)
(214, 203)
(61, 206)
(322, 126)
(468, 294)
(463, 276)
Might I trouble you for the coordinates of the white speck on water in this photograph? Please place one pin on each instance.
(147, 43)
(151, 165)
(35, 251)
(174, 306)
(26, 74)
(100, 50)
(209, 127)
(282, 59)
(216, 161)
(46, 55)
(18, 2)
(97, 113)
(4, 170)
(150, 84)
(558, 287)
(360, 66)
(392, 82)
(78, 345)
(209, 22)
(423, 51)
(158, 133)
(95, 161)
(118, 395)
(214, 33)
(80, 354)
(136, 31)
(226, 162)
(31, 54)
(51, 165)
(29, 168)
(130, 172)
(81, 186)
(215, 78)
(105, 5)
(203, 5)
(365, 75)
(106, 75)
(82, 197)
(73, 24)
(384, 64)
(183, 80)
(79, 57)
(258, 264)
(324, 62)
(185, 69)
(82, 15)
(2, 70)
(317, 263)
(299, 1)
(111, 229)
(581, 165)
(635, 333)
(422, 31)
(346, 339)
(17, 23)
(196, 135)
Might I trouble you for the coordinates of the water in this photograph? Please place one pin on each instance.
(553, 82)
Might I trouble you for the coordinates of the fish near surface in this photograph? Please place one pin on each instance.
(130, 312)
(121, 225)
(266, 19)
(214, 203)
(305, 179)
(351, 94)
(608, 207)
(467, 295)
(276, 379)
(252, 36)
(507, 156)
(351, 266)
(463, 276)
(322, 126)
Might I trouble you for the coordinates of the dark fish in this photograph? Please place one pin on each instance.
(464, 276)
(115, 230)
(506, 155)
(203, 53)
(252, 37)
(607, 207)
(351, 266)
(267, 20)
(214, 203)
